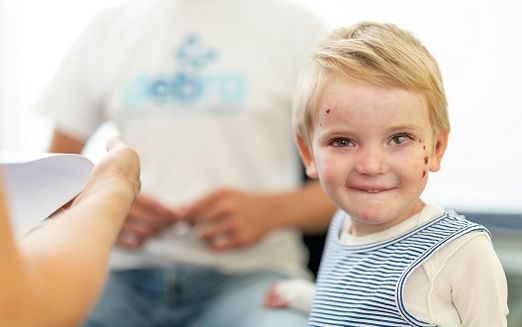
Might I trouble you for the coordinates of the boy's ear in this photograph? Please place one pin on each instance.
(441, 143)
(305, 151)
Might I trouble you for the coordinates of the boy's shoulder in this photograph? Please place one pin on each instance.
(462, 249)
(432, 225)
(447, 227)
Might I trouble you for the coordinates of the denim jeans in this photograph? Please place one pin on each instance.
(192, 296)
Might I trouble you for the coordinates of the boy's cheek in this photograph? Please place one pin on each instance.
(330, 170)
(417, 162)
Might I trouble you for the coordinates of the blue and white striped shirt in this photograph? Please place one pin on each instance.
(363, 285)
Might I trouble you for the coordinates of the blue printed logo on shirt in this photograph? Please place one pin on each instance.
(189, 84)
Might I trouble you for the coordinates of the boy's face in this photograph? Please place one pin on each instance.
(372, 149)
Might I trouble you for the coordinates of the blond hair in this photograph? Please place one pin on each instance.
(380, 54)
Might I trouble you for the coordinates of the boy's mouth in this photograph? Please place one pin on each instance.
(371, 189)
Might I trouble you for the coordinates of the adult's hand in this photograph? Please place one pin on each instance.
(120, 167)
(146, 219)
(229, 219)
(121, 162)
(43, 270)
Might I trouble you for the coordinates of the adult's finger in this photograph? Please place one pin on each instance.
(149, 209)
(210, 207)
(129, 241)
(209, 233)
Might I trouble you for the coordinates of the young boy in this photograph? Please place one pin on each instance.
(371, 124)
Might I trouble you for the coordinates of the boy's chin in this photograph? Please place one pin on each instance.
(373, 221)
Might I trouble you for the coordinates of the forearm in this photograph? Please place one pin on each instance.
(12, 272)
(307, 209)
(7, 245)
(53, 275)
(20, 303)
(67, 257)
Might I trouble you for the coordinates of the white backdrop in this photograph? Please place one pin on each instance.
(478, 44)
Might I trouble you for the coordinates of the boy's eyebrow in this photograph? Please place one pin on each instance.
(407, 127)
(334, 130)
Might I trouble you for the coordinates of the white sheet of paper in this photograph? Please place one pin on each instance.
(38, 184)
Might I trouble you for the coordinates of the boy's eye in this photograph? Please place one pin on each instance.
(341, 142)
(401, 138)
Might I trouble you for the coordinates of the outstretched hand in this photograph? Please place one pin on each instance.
(121, 163)
(43, 270)
(120, 167)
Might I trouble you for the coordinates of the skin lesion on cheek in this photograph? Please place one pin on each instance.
(421, 141)
(425, 159)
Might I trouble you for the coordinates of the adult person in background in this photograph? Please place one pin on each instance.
(202, 90)
(52, 276)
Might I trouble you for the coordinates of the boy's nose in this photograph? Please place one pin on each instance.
(371, 162)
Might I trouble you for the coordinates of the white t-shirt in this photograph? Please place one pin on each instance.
(462, 284)
(202, 90)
